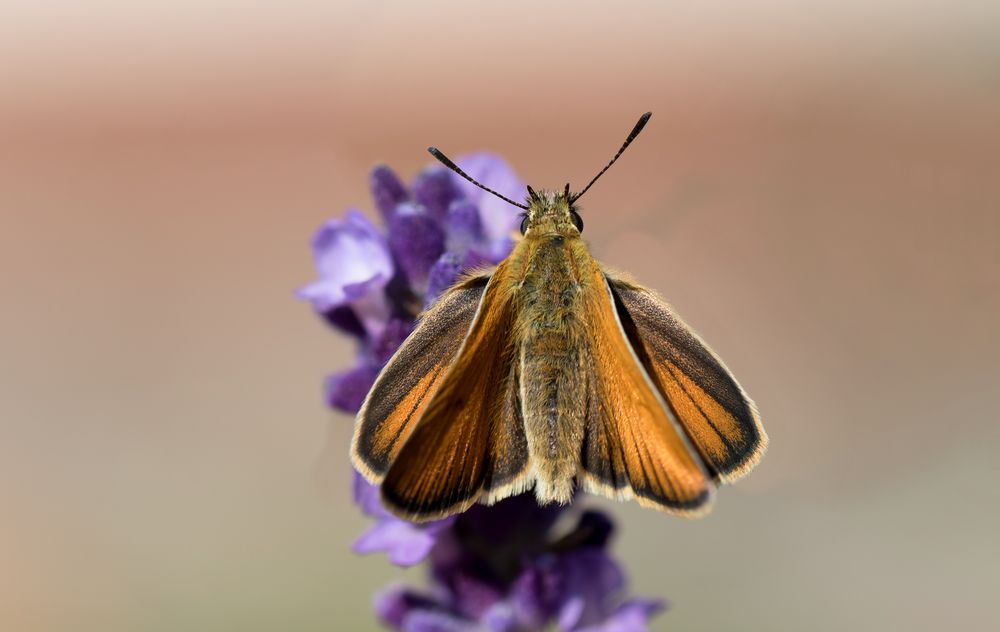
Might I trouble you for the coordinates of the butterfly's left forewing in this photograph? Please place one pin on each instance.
(633, 445)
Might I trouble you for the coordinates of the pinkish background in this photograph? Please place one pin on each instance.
(818, 193)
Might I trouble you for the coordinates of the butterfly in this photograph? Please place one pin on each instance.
(551, 373)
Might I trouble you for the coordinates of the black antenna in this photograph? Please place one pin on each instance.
(448, 163)
(628, 141)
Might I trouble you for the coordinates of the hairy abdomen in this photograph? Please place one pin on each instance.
(553, 397)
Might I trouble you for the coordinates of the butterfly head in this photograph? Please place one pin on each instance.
(548, 212)
(551, 212)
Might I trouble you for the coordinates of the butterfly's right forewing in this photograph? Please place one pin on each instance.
(469, 442)
(408, 382)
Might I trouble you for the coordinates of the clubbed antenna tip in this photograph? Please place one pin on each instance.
(641, 123)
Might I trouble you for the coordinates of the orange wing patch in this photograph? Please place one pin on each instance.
(470, 438)
(712, 428)
(633, 445)
(397, 427)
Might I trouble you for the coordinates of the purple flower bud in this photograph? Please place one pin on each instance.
(499, 218)
(394, 604)
(405, 543)
(417, 241)
(354, 265)
(472, 595)
(590, 580)
(435, 189)
(344, 319)
(387, 190)
(442, 275)
(347, 390)
(533, 597)
(366, 497)
(463, 226)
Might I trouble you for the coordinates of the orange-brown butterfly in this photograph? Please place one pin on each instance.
(550, 373)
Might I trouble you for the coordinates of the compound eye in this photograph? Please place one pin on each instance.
(524, 224)
(577, 220)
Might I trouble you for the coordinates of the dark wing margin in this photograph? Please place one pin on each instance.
(718, 416)
(469, 442)
(406, 384)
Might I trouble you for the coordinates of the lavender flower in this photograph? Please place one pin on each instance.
(354, 265)
(503, 568)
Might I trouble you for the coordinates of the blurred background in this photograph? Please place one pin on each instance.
(818, 193)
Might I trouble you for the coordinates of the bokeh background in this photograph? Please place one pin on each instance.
(818, 192)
